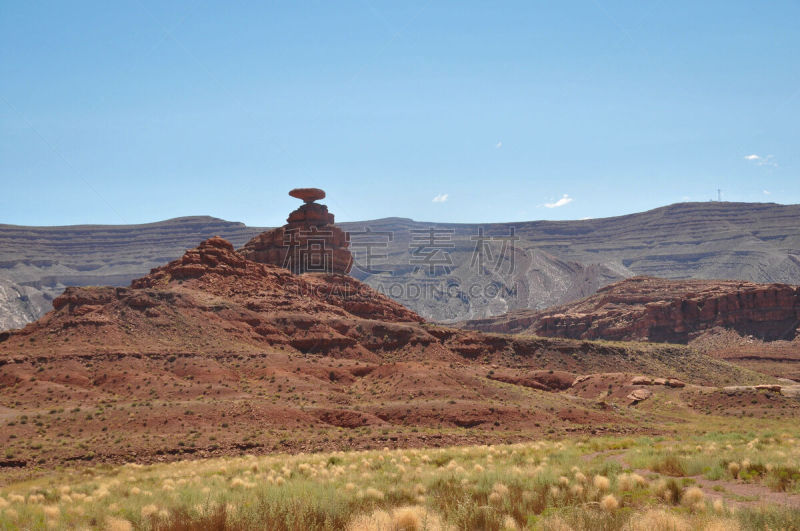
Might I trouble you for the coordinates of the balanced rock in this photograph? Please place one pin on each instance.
(308, 243)
(309, 195)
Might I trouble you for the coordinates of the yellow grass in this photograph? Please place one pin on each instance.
(568, 484)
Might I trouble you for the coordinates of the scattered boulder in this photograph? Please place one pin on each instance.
(647, 380)
(637, 395)
(580, 379)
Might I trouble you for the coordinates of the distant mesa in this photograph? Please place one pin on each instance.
(308, 243)
(663, 310)
(309, 195)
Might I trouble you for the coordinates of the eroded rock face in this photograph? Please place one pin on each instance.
(308, 243)
(675, 311)
(215, 300)
(215, 254)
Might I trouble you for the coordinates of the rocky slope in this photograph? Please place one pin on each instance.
(211, 298)
(214, 354)
(20, 304)
(38, 263)
(660, 310)
(439, 276)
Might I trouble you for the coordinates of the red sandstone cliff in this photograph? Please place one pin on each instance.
(652, 309)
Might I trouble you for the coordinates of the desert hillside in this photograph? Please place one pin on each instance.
(187, 357)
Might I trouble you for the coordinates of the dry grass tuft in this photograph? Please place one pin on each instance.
(373, 494)
(657, 520)
(556, 523)
(601, 483)
(509, 524)
(719, 505)
(609, 503)
(118, 524)
(149, 510)
(693, 495)
(406, 518)
(725, 524)
(378, 520)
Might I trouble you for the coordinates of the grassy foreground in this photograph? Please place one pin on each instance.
(635, 484)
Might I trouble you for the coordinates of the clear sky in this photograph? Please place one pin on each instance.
(130, 112)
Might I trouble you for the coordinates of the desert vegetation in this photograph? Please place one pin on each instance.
(580, 483)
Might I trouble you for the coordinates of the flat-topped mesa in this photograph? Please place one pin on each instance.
(308, 243)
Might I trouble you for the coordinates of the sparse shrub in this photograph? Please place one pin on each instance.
(782, 478)
(118, 524)
(609, 503)
(669, 465)
(149, 510)
(669, 490)
(601, 483)
(373, 494)
(694, 498)
(509, 524)
(657, 520)
(500, 489)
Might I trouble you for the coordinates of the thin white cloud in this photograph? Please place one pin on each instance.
(768, 160)
(498, 145)
(565, 199)
(767, 192)
(441, 198)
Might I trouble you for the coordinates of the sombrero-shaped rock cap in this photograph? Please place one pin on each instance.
(309, 195)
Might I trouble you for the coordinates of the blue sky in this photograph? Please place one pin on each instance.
(130, 112)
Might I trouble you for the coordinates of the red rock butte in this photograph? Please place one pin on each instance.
(308, 243)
